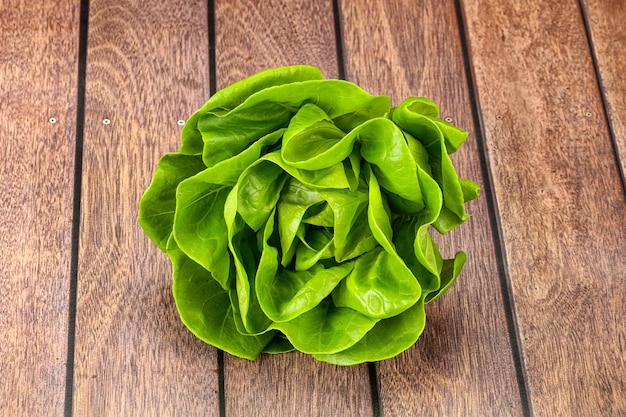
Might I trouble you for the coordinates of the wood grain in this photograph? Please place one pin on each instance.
(558, 200)
(463, 363)
(608, 33)
(561, 203)
(38, 63)
(294, 384)
(147, 69)
(252, 36)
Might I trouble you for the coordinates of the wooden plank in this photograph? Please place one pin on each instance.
(38, 69)
(147, 69)
(294, 384)
(252, 36)
(561, 203)
(608, 33)
(463, 363)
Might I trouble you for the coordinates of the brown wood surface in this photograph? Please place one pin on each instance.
(608, 32)
(534, 326)
(38, 63)
(560, 199)
(147, 69)
(464, 361)
(252, 36)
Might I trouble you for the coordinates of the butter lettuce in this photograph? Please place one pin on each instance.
(297, 214)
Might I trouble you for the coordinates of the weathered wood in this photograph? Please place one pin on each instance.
(147, 69)
(463, 363)
(39, 44)
(608, 33)
(294, 384)
(561, 203)
(252, 36)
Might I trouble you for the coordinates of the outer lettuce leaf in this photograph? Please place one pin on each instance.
(233, 95)
(451, 269)
(386, 339)
(279, 344)
(227, 172)
(422, 126)
(379, 286)
(158, 204)
(199, 226)
(326, 328)
(205, 308)
(226, 133)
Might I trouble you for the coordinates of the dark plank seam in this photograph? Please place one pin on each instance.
(220, 382)
(373, 374)
(83, 32)
(600, 83)
(341, 71)
(212, 90)
(212, 59)
(496, 229)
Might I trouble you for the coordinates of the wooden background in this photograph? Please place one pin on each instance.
(92, 93)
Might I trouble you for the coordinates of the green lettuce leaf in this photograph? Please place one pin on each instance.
(206, 309)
